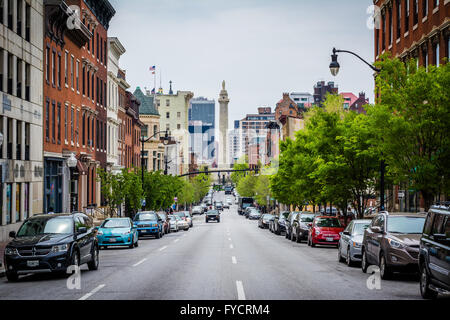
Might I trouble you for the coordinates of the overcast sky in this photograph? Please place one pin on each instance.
(261, 48)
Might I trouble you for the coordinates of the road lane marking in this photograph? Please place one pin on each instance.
(163, 248)
(229, 239)
(233, 259)
(86, 296)
(142, 261)
(240, 290)
(176, 240)
(231, 246)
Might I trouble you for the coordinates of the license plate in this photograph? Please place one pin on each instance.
(144, 231)
(330, 239)
(32, 264)
(112, 240)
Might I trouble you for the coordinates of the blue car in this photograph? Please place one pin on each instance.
(148, 223)
(117, 232)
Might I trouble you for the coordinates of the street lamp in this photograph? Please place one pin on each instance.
(334, 69)
(72, 163)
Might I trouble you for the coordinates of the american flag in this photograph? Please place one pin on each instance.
(152, 68)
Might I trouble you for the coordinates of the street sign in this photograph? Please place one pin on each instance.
(401, 194)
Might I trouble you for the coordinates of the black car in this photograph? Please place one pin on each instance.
(290, 219)
(212, 215)
(301, 226)
(265, 220)
(434, 261)
(278, 225)
(50, 244)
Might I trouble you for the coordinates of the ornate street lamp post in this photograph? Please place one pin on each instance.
(334, 69)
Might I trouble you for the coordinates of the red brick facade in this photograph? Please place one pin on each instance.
(413, 29)
(75, 78)
(287, 107)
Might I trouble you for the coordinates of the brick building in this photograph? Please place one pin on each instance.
(413, 29)
(321, 89)
(353, 102)
(132, 106)
(75, 92)
(287, 107)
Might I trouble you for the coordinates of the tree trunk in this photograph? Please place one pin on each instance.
(428, 199)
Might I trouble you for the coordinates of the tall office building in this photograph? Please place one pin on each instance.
(202, 119)
(21, 113)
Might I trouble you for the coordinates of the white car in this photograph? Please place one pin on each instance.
(182, 224)
(173, 223)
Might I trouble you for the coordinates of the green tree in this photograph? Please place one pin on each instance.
(132, 190)
(246, 186)
(262, 190)
(112, 189)
(412, 119)
(242, 164)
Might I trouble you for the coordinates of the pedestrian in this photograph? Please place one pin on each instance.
(50, 211)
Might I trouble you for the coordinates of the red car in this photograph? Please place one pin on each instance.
(325, 230)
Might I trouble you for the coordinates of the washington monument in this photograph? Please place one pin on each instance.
(223, 127)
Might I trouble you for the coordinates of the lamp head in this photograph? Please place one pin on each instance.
(72, 161)
(334, 65)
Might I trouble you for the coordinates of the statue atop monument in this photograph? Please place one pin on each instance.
(223, 85)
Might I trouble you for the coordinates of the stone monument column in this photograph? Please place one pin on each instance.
(223, 127)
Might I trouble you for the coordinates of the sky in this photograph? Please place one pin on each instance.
(261, 48)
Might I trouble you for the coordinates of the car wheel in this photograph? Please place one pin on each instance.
(292, 235)
(312, 243)
(187, 229)
(75, 259)
(385, 272)
(286, 235)
(136, 244)
(364, 263)
(12, 276)
(309, 242)
(298, 239)
(340, 259)
(158, 235)
(425, 290)
(93, 264)
(349, 260)
(131, 246)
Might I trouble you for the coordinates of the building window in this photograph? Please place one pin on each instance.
(47, 64)
(167, 115)
(167, 103)
(8, 203)
(59, 70)
(27, 21)
(72, 119)
(54, 122)
(436, 55)
(83, 137)
(178, 115)
(72, 67)
(383, 32)
(66, 114)
(26, 208)
(18, 189)
(66, 69)
(53, 67)
(179, 126)
(425, 7)
(391, 28)
(416, 12)
(19, 18)
(406, 16)
(78, 76)
(58, 122)
(83, 77)
(47, 120)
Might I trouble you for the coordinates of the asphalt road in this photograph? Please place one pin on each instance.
(231, 260)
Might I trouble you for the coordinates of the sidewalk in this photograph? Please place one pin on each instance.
(2, 250)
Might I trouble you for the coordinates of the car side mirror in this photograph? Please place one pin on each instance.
(346, 233)
(376, 229)
(82, 230)
(12, 234)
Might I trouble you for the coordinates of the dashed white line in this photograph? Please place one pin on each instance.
(87, 296)
(176, 240)
(233, 259)
(240, 290)
(138, 263)
(163, 248)
(229, 239)
(231, 246)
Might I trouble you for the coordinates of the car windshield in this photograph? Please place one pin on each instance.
(213, 212)
(246, 205)
(42, 226)
(359, 228)
(146, 217)
(328, 223)
(163, 216)
(284, 216)
(408, 225)
(268, 216)
(179, 214)
(116, 223)
(307, 218)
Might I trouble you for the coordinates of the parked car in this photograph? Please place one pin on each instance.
(247, 210)
(392, 242)
(278, 224)
(197, 210)
(117, 232)
(254, 214)
(51, 243)
(204, 207)
(289, 221)
(189, 219)
(226, 205)
(166, 224)
(173, 223)
(184, 215)
(265, 220)
(181, 224)
(434, 258)
(212, 215)
(301, 226)
(349, 248)
(325, 230)
(327, 212)
(148, 223)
